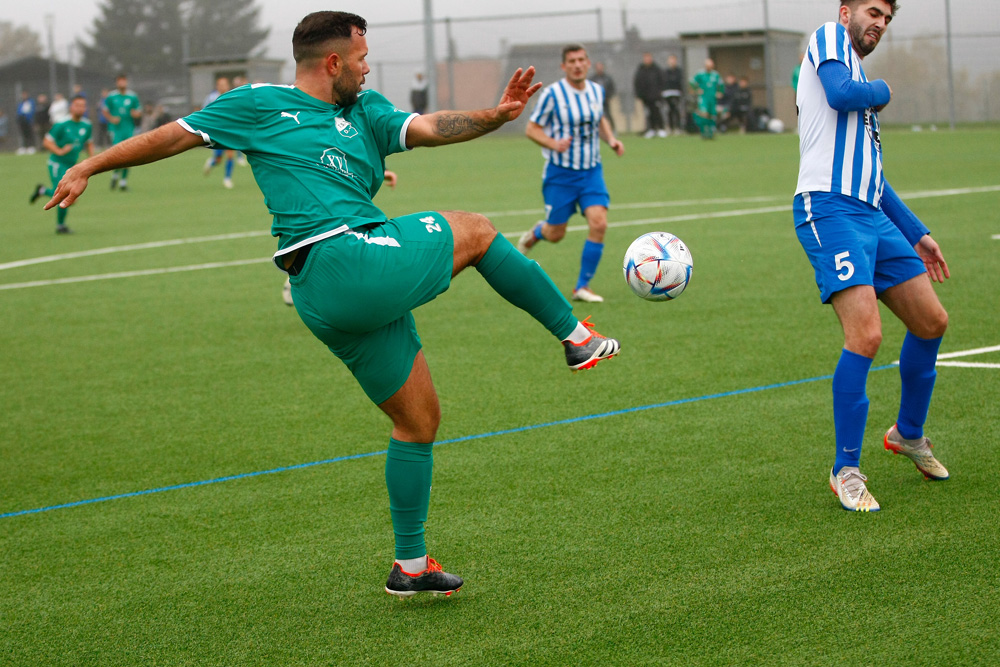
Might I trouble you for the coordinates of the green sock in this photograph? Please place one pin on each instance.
(408, 467)
(61, 215)
(523, 283)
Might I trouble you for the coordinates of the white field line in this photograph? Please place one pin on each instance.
(965, 353)
(995, 237)
(133, 274)
(575, 228)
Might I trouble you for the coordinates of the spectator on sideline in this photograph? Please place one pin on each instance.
(604, 80)
(59, 109)
(418, 93)
(742, 102)
(647, 84)
(26, 123)
(42, 119)
(673, 94)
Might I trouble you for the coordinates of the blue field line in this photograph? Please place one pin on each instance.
(519, 429)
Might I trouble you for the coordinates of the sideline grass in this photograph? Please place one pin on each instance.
(700, 533)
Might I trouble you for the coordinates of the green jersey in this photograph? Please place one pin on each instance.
(122, 105)
(319, 165)
(710, 83)
(75, 132)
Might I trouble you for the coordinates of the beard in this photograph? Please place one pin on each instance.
(857, 33)
(345, 92)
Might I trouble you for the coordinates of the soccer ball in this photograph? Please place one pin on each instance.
(657, 266)
(775, 126)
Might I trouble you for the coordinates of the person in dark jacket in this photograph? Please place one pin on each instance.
(673, 94)
(648, 84)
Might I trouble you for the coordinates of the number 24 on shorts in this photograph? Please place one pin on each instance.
(433, 226)
(842, 263)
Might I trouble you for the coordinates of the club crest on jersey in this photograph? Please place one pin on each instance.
(871, 124)
(345, 128)
(336, 159)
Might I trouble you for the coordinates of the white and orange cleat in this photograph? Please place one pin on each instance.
(849, 486)
(918, 451)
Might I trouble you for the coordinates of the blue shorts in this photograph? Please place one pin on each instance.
(849, 243)
(567, 190)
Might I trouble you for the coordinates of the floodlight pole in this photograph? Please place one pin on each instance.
(50, 22)
(951, 69)
(429, 57)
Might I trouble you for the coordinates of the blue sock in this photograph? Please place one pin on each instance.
(229, 168)
(588, 262)
(850, 407)
(537, 231)
(916, 370)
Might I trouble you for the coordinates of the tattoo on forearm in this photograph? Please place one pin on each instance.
(464, 125)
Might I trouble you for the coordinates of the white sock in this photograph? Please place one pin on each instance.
(580, 334)
(413, 565)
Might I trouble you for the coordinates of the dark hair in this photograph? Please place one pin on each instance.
(78, 97)
(852, 3)
(121, 75)
(570, 48)
(318, 28)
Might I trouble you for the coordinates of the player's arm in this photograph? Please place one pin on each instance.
(916, 234)
(605, 132)
(49, 144)
(451, 127)
(536, 133)
(845, 94)
(114, 120)
(160, 143)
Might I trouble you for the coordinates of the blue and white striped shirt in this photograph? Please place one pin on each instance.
(839, 151)
(563, 111)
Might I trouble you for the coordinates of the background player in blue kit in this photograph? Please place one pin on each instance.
(568, 123)
(318, 151)
(864, 244)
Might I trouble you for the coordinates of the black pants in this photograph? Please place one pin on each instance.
(674, 111)
(654, 119)
(27, 136)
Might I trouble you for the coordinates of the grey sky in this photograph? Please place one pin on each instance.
(655, 18)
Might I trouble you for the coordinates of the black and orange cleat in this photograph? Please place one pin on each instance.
(586, 354)
(433, 580)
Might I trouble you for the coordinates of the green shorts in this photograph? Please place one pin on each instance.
(56, 171)
(356, 290)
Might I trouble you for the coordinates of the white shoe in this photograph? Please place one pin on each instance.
(286, 293)
(849, 486)
(918, 451)
(587, 294)
(661, 133)
(526, 241)
(208, 166)
(649, 134)
(227, 183)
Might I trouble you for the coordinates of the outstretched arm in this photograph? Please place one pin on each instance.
(452, 127)
(162, 142)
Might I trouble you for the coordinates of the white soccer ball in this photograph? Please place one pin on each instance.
(658, 266)
(775, 126)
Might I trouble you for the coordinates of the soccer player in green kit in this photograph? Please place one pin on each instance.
(64, 141)
(318, 151)
(709, 86)
(121, 109)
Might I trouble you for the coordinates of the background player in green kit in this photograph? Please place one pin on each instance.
(64, 141)
(121, 110)
(318, 151)
(708, 84)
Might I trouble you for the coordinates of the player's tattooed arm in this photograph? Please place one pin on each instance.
(463, 125)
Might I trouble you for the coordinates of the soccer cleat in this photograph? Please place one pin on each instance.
(588, 295)
(227, 183)
(122, 185)
(209, 163)
(286, 293)
(918, 451)
(114, 181)
(849, 486)
(586, 354)
(63, 229)
(39, 191)
(433, 580)
(526, 241)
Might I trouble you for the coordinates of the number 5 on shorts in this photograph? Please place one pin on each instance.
(842, 263)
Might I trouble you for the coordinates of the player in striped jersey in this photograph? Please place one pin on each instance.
(864, 244)
(568, 123)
